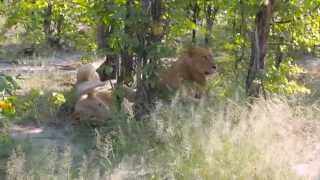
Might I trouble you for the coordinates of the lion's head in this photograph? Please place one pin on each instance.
(199, 63)
(90, 109)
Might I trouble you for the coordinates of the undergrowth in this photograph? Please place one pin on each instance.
(211, 140)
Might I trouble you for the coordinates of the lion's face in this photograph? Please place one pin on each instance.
(202, 61)
(199, 64)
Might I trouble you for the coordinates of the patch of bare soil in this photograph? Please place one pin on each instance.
(56, 72)
(310, 166)
(59, 136)
(63, 63)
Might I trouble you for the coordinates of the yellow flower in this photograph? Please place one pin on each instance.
(5, 105)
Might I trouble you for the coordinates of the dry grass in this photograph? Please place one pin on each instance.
(47, 81)
(213, 140)
(209, 141)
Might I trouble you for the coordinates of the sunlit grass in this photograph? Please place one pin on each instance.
(207, 141)
(46, 81)
(210, 142)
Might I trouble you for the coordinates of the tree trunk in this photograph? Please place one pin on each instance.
(211, 13)
(146, 91)
(110, 68)
(52, 27)
(101, 36)
(242, 32)
(126, 70)
(195, 15)
(279, 53)
(259, 50)
(47, 23)
(59, 26)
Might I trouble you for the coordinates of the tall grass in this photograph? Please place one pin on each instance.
(181, 141)
(233, 142)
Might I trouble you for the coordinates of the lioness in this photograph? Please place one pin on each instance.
(98, 104)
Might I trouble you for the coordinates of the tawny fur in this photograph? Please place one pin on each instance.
(91, 108)
(91, 104)
(88, 72)
(87, 87)
(97, 106)
(95, 98)
(194, 65)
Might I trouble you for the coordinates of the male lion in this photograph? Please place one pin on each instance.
(194, 65)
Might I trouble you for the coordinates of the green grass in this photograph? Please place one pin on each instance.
(179, 141)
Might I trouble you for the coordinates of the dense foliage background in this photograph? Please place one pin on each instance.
(256, 44)
(139, 34)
